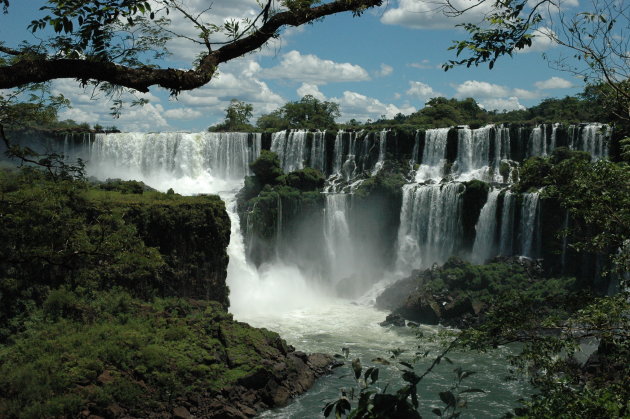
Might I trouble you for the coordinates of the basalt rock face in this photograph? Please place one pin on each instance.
(191, 234)
(192, 237)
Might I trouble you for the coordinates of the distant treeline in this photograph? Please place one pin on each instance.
(592, 105)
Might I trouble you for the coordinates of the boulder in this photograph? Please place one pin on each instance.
(393, 320)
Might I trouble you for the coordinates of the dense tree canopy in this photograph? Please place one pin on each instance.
(309, 113)
(237, 116)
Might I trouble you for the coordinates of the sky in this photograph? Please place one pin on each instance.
(385, 62)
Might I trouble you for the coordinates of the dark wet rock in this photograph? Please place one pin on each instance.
(393, 320)
(396, 294)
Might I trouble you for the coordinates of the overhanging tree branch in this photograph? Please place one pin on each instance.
(42, 69)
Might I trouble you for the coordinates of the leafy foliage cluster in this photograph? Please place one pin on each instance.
(487, 283)
(597, 195)
(237, 116)
(86, 349)
(307, 113)
(264, 194)
(567, 384)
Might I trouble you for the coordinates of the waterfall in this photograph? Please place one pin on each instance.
(416, 148)
(221, 155)
(538, 141)
(484, 247)
(278, 226)
(434, 155)
(501, 151)
(318, 152)
(290, 149)
(430, 225)
(74, 146)
(592, 138)
(506, 233)
(337, 236)
(382, 145)
(338, 152)
(529, 224)
(473, 152)
(554, 136)
(349, 166)
(595, 140)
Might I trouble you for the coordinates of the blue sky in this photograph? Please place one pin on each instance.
(384, 62)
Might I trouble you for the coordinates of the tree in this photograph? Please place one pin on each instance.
(307, 113)
(111, 41)
(596, 39)
(237, 116)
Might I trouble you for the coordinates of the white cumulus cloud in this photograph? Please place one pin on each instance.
(360, 107)
(385, 70)
(310, 89)
(553, 83)
(475, 89)
(418, 14)
(541, 42)
(501, 104)
(423, 65)
(525, 94)
(182, 113)
(421, 91)
(310, 68)
(95, 108)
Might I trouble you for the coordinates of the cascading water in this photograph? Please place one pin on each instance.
(595, 140)
(538, 141)
(382, 138)
(430, 225)
(501, 151)
(318, 151)
(167, 155)
(337, 236)
(433, 156)
(473, 153)
(506, 233)
(554, 136)
(529, 224)
(484, 246)
(592, 138)
(290, 148)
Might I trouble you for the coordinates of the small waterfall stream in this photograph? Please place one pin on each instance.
(484, 247)
(434, 155)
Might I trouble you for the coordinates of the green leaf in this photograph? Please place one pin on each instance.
(328, 408)
(356, 367)
(448, 398)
